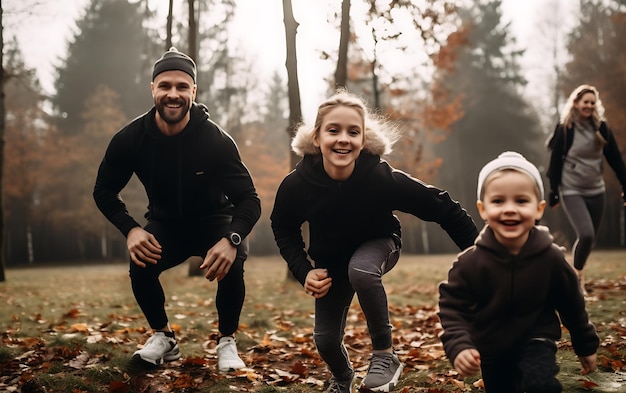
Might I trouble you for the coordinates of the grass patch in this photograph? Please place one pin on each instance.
(74, 329)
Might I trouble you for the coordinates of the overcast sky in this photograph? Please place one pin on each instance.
(44, 29)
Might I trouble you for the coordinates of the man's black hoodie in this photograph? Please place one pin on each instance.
(193, 175)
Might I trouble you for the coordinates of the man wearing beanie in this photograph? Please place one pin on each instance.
(175, 60)
(501, 304)
(202, 202)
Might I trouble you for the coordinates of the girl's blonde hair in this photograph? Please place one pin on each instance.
(379, 134)
(569, 112)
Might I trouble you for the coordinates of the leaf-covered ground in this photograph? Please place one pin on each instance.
(74, 329)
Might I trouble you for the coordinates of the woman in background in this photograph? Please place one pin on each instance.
(578, 145)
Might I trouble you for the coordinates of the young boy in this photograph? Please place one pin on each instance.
(499, 306)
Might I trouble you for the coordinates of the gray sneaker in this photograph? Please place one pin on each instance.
(346, 386)
(383, 373)
(157, 349)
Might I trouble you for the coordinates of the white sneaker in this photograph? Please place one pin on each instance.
(157, 349)
(227, 357)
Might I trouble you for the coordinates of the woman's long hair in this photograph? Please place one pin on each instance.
(569, 111)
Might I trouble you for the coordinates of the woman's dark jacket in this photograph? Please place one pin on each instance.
(559, 145)
(495, 302)
(344, 215)
(191, 176)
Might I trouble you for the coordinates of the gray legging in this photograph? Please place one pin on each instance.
(585, 214)
(365, 271)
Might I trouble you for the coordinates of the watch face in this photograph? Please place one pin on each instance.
(235, 239)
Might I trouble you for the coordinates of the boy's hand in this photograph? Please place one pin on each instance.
(467, 362)
(588, 363)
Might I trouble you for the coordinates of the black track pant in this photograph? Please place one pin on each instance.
(179, 242)
(530, 369)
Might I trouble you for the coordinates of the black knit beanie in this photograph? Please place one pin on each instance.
(175, 60)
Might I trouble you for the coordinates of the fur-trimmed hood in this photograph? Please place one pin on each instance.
(376, 142)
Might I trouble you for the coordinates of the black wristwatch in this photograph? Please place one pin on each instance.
(234, 238)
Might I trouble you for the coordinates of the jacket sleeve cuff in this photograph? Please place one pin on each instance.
(553, 198)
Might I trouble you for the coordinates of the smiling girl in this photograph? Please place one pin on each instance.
(348, 194)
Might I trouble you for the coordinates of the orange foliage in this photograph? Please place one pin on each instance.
(267, 163)
(424, 119)
(446, 57)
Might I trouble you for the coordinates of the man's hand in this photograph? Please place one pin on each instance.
(317, 283)
(467, 362)
(219, 259)
(143, 247)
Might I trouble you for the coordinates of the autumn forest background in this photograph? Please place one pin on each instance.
(459, 101)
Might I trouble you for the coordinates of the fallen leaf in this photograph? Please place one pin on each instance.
(119, 387)
(73, 313)
(587, 383)
(79, 327)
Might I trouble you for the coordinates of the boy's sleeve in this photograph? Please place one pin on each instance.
(573, 314)
(454, 313)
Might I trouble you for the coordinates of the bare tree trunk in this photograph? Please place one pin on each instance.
(192, 36)
(29, 245)
(194, 266)
(375, 87)
(2, 125)
(293, 87)
(104, 244)
(291, 63)
(341, 72)
(170, 21)
(193, 32)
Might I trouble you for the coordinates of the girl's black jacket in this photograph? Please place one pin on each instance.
(495, 302)
(192, 176)
(344, 215)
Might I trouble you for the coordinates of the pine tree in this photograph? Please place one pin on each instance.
(112, 48)
(486, 78)
(28, 138)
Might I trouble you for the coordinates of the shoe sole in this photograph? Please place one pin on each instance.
(389, 386)
(230, 369)
(158, 361)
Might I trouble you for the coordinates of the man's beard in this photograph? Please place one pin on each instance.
(176, 118)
